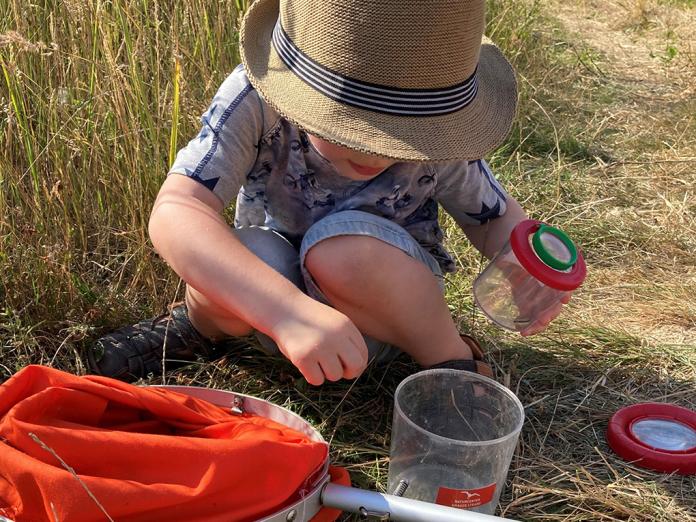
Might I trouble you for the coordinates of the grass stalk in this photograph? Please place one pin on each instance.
(175, 112)
(19, 109)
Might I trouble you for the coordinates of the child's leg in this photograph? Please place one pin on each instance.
(215, 323)
(135, 351)
(388, 295)
(210, 320)
(373, 271)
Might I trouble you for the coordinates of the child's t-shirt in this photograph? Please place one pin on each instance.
(246, 150)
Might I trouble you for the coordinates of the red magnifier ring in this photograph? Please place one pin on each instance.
(629, 448)
(564, 281)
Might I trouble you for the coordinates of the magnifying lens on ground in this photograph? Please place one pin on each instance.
(657, 436)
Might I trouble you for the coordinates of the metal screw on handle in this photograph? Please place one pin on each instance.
(373, 515)
(400, 488)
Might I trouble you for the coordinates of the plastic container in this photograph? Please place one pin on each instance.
(453, 437)
(530, 276)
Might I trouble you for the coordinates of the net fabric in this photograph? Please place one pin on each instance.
(140, 454)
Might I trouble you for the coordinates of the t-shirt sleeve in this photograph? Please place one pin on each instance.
(225, 149)
(469, 192)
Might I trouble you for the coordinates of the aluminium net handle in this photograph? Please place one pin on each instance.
(391, 507)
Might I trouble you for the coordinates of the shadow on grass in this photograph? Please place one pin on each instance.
(570, 386)
(564, 466)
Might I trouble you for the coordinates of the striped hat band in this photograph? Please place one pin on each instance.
(373, 97)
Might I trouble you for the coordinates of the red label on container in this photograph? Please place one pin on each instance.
(465, 498)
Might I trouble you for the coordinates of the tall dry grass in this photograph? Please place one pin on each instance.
(97, 96)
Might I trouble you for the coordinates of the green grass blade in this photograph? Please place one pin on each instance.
(175, 112)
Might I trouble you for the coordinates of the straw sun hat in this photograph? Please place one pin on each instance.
(407, 79)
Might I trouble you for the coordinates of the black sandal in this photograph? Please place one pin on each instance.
(136, 351)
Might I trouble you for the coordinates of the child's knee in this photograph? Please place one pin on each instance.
(344, 261)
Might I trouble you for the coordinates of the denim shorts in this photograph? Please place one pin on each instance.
(276, 251)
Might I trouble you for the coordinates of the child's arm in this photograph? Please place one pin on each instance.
(188, 231)
(490, 237)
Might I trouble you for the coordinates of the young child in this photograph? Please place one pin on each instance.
(348, 124)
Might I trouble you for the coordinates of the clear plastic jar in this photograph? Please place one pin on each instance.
(529, 277)
(453, 437)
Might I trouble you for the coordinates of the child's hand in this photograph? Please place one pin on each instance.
(322, 343)
(546, 317)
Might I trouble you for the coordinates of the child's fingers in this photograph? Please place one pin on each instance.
(354, 363)
(360, 351)
(312, 373)
(331, 367)
(553, 312)
(534, 328)
(543, 321)
(566, 298)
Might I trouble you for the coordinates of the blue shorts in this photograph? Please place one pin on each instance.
(280, 254)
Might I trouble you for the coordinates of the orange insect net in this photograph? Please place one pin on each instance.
(90, 448)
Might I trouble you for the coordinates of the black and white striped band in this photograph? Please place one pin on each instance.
(379, 98)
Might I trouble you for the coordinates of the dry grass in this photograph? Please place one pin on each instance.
(604, 146)
(648, 51)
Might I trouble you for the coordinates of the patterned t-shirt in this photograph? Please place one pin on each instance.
(246, 150)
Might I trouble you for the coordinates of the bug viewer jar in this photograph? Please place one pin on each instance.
(530, 276)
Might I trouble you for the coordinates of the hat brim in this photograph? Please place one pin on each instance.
(467, 134)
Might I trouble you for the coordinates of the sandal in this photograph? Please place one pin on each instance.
(475, 365)
(134, 352)
(467, 400)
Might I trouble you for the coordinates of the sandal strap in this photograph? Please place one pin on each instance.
(475, 365)
(475, 347)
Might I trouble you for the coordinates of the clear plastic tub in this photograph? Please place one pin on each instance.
(453, 437)
(529, 277)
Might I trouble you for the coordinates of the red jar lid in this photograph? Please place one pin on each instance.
(656, 436)
(533, 262)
